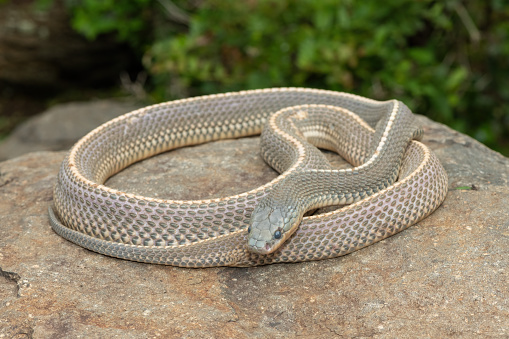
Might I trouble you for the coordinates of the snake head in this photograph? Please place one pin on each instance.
(269, 227)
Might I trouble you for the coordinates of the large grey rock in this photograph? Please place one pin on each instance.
(59, 127)
(444, 277)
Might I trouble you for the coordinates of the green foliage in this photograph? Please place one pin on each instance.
(446, 59)
(129, 20)
(126, 18)
(425, 53)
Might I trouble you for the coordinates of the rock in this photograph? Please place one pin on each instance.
(61, 126)
(40, 50)
(444, 277)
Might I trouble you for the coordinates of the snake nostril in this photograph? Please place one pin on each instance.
(267, 247)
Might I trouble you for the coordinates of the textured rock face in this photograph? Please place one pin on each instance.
(39, 49)
(446, 276)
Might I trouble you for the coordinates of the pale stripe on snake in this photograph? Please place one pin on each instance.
(213, 232)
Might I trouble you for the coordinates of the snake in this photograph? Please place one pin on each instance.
(394, 182)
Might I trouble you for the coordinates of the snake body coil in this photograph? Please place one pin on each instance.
(213, 232)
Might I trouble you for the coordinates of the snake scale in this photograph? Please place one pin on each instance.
(395, 182)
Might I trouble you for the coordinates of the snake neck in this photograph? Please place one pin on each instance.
(277, 215)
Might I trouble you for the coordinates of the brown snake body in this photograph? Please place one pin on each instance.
(396, 181)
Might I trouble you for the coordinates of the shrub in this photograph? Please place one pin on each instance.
(447, 60)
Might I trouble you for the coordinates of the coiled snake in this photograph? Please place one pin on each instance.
(396, 181)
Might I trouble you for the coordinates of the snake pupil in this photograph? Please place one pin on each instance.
(277, 234)
(249, 229)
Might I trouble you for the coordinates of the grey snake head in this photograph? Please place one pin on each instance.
(271, 226)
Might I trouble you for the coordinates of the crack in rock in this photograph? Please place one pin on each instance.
(21, 332)
(27, 333)
(15, 278)
(5, 179)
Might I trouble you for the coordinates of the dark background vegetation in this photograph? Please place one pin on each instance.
(448, 60)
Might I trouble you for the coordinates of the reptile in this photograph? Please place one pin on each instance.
(395, 180)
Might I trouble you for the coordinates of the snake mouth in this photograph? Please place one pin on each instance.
(260, 246)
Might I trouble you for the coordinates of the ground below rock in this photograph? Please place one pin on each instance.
(444, 277)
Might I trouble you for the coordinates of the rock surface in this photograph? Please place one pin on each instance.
(59, 127)
(444, 277)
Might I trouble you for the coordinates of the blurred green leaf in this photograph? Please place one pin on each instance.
(456, 78)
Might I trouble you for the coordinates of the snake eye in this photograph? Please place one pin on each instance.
(249, 229)
(277, 234)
